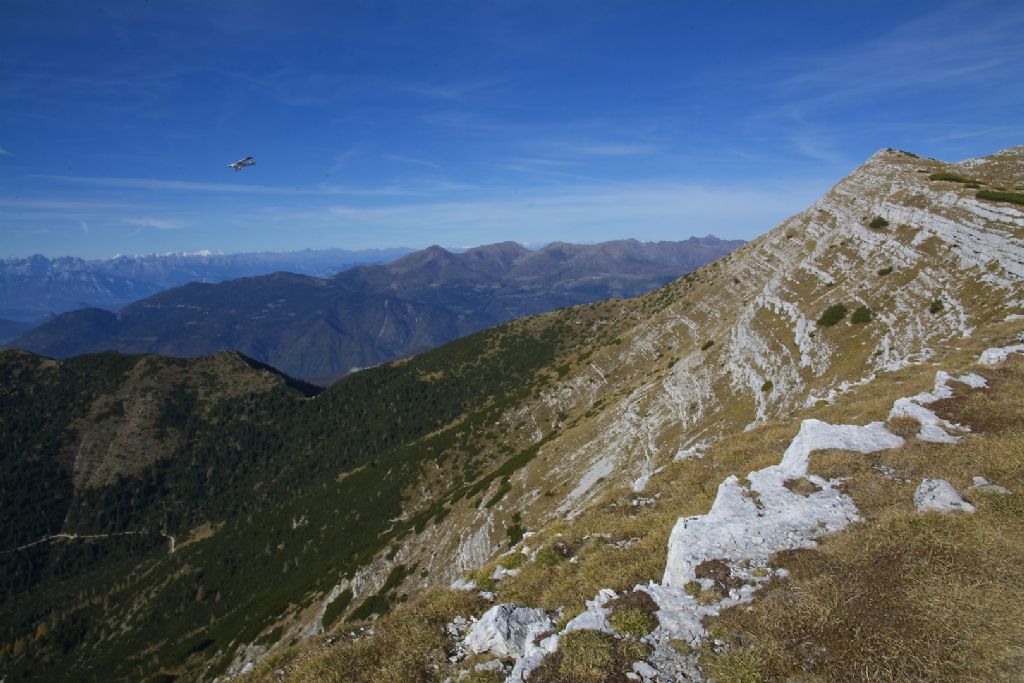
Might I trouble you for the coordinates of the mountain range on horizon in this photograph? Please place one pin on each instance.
(37, 287)
(800, 461)
(321, 328)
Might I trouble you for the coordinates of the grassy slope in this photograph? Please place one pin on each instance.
(899, 596)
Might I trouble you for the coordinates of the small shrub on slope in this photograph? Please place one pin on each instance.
(952, 177)
(832, 315)
(1012, 197)
(936, 306)
(861, 315)
(877, 223)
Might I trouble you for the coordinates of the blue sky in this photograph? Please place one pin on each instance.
(461, 123)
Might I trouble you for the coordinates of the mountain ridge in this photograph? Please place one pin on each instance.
(373, 313)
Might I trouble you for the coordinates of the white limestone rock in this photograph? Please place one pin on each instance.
(933, 429)
(492, 665)
(984, 485)
(645, 671)
(534, 656)
(595, 618)
(506, 630)
(938, 495)
(996, 356)
(751, 523)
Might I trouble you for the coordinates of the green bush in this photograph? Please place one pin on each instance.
(951, 177)
(707, 345)
(337, 608)
(1012, 197)
(515, 530)
(861, 315)
(878, 223)
(885, 271)
(936, 306)
(767, 386)
(832, 315)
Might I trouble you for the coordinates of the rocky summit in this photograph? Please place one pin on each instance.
(767, 469)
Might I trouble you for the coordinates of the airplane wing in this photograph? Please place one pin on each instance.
(242, 163)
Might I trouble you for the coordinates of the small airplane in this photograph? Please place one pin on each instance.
(242, 163)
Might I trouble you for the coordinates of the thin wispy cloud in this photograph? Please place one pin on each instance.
(153, 224)
(412, 160)
(5, 153)
(443, 91)
(961, 43)
(156, 184)
(58, 204)
(613, 150)
(666, 208)
(85, 227)
(969, 51)
(977, 132)
(815, 145)
(520, 162)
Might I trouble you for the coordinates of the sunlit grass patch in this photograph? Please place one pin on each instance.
(590, 657)
(632, 614)
(904, 426)
(404, 647)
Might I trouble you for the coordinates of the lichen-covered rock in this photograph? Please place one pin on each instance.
(505, 630)
(938, 495)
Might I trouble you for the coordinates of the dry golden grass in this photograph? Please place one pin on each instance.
(991, 411)
(407, 646)
(904, 426)
(590, 657)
